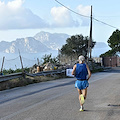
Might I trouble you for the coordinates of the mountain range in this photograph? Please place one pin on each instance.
(43, 42)
(25, 45)
(99, 48)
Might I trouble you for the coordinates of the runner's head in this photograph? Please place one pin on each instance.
(81, 58)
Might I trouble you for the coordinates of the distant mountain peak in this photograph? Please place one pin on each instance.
(100, 48)
(100, 45)
(52, 40)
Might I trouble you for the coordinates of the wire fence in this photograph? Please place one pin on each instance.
(11, 63)
(15, 63)
(12, 60)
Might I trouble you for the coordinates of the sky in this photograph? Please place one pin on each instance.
(25, 18)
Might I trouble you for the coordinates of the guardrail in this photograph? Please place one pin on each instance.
(10, 76)
(44, 73)
(18, 75)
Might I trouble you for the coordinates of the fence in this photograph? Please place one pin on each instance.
(17, 61)
(18, 75)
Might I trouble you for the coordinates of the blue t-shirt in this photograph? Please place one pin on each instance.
(81, 71)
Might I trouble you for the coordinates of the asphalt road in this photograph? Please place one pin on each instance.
(58, 100)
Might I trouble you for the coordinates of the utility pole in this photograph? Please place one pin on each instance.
(90, 40)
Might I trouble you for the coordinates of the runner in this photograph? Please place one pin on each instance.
(83, 74)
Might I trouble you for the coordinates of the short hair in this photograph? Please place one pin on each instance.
(81, 58)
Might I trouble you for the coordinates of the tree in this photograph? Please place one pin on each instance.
(114, 40)
(48, 58)
(108, 53)
(76, 45)
(114, 43)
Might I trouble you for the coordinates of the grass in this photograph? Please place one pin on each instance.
(97, 70)
(28, 80)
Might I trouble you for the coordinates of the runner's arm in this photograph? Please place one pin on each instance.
(89, 72)
(74, 68)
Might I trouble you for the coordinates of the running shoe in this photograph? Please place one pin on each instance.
(82, 99)
(81, 109)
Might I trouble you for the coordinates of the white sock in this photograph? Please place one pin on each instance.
(81, 107)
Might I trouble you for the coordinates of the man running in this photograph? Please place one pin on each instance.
(83, 74)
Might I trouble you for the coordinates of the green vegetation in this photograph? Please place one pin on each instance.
(76, 45)
(48, 58)
(97, 70)
(10, 71)
(114, 44)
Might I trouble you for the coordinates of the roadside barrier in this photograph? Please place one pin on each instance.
(23, 74)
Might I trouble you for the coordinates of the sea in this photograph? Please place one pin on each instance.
(12, 60)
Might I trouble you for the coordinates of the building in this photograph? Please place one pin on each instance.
(112, 61)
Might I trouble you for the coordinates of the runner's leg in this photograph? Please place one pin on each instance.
(84, 92)
(79, 92)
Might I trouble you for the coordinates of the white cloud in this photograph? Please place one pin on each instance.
(84, 10)
(62, 17)
(1, 3)
(14, 16)
(15, 4)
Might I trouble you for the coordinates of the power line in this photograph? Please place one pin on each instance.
(104, 23)
(86, 16)
(108, 16)
(72, 10)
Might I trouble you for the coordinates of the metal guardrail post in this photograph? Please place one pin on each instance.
(23, 72)
(2, 65)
